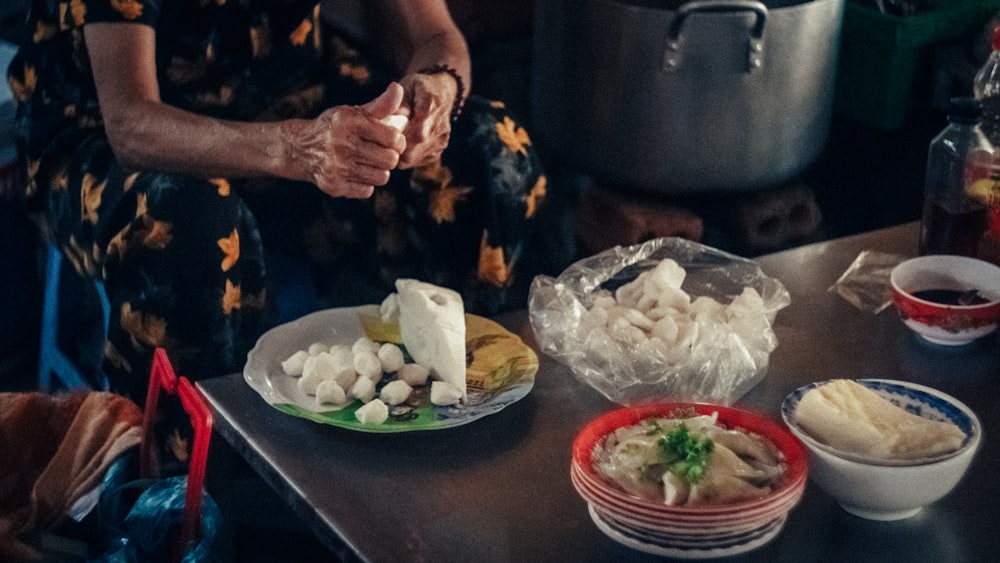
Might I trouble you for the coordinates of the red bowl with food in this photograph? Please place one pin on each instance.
(945, 299)
(597, 491)
(682, 523)
(624, 433)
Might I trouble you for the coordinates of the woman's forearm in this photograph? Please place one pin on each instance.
(424, 35)
(345, 151)
(148, 134)
(154, 136)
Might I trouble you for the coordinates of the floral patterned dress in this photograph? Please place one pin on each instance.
(184, 259)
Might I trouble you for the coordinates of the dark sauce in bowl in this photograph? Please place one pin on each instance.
(951, 296)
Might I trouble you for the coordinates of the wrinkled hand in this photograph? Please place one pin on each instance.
(348, 150)
(428, 99)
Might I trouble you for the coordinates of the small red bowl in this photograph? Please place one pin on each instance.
(938, 322)
(597, 430)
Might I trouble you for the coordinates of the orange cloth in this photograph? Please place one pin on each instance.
(53, 450)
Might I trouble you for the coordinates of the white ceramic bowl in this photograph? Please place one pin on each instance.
(890, 491)
(947, 324)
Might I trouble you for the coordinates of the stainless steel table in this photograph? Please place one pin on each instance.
(498, 489)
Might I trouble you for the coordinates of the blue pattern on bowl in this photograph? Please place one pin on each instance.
(917, 399)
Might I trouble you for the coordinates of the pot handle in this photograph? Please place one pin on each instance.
(755, 48)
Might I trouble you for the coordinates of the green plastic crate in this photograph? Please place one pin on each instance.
(883, 58)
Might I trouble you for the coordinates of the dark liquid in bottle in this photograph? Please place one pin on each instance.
(950, 296)
(945, 232)
(991, 118)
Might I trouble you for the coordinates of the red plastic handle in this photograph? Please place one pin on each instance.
(201, 419)
(162, 377)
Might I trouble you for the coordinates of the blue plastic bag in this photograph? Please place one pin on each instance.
(144, 531)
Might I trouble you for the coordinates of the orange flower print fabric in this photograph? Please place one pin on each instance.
(188, 262)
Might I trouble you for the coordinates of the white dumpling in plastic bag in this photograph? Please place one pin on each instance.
(621, 329)
(673, 298)
(708, 311)
(687, 333)
(749, 322)
(628, 294)
(667, 274)
(666, 329)
(602, 299)
(747, 303)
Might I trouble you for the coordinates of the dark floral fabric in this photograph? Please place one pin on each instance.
(185, 260)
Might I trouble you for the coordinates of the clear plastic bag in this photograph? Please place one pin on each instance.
(720, 365)
(865, 283)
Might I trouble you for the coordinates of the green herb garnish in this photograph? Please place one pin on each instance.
(683, 454)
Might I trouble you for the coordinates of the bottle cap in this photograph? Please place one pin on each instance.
(965, 110)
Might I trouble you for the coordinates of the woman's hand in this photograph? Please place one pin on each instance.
(429, 99)
(348, 150)
(420, 37)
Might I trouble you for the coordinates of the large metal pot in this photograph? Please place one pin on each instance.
(706, 96)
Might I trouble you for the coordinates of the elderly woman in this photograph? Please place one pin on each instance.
(174, 146)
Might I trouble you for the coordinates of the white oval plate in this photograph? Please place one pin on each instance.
(494, 351)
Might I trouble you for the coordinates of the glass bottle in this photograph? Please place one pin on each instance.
(986, 87)
(959, 160)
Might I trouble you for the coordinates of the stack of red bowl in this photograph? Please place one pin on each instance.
(687, 531)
